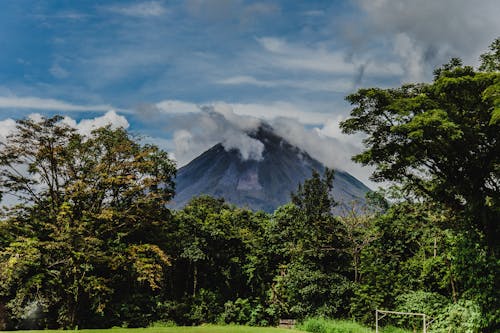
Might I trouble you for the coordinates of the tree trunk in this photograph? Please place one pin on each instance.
(195, 279)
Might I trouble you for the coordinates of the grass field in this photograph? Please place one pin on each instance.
(317, 326)
(182, 329)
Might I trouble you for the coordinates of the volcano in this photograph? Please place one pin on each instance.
(263, 184)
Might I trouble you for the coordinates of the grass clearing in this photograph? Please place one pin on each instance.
(181, 329)
(313, 325)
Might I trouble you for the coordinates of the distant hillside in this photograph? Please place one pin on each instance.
(259, 185)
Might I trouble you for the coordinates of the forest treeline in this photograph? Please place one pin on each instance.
(91, 241)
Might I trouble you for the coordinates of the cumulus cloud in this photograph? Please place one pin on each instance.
(198, 127)
(86, 126)
(7, 127)
(218, 123)
(249, 148)
(331, 148)
(427, 33)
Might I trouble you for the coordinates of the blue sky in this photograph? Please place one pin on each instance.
(162, 64)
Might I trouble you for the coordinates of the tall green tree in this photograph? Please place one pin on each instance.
(308, 247)
(217, 257)
(438, 140)
(77, 235)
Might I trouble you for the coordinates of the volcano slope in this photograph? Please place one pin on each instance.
(263, 184)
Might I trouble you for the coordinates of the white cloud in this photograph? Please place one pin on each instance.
(412, 56)
(278, 109)
(428, 32)
(35, 103)
(244, 79)
(174, 106)
(197, 128)
(143, 9)
(86, 126)
(184, 143)
(7, 127)
(313, 85)
(211, 125)
(244, 122)
(266, 111)
(249, 148)
(318, 58)
(331, 151)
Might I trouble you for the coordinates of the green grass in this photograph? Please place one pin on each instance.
(313, 325)
(320, 325)
(183, 329)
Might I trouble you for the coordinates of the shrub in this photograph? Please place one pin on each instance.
(462, 317)
(205, 307)
(162, 323)
(432, 304)
(244, 312)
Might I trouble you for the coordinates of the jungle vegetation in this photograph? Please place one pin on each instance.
(92, 244)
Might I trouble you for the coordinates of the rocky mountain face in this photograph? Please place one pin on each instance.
(263, 184)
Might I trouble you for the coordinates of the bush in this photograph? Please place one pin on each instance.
(162, 323)
(244, 312)
(237, 312)
(432, 304)
(205, 307)
(462, 317)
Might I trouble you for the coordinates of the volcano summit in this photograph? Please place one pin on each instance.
(259, 184)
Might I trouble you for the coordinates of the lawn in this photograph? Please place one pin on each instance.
(315, 325)
(183, 329)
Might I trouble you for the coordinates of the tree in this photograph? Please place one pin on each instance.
(85, 203)
(219, 257)
(319, 232)
(308, 247)
(358, 223)
(439, 141)
(490, 61)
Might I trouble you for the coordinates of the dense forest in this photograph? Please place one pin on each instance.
(91, 242)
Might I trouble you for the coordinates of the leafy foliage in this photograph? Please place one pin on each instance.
(76, 239)
(438, 140)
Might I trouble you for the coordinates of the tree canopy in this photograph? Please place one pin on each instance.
(76, 239)
(438, 140)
